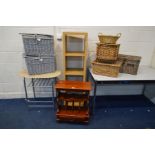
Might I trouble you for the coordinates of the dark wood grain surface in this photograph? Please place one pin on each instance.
(73, 85)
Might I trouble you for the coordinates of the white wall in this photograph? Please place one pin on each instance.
(11, 60)
(134, 40)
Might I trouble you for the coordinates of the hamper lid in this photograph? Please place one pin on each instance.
(36, 35)
(129, 57)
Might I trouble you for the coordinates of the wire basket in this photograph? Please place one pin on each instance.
(107, 52)
(105, 69)
(40, 65)
(38, 44)
(130, 63)
(108, 39)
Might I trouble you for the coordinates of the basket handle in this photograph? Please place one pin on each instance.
(119, 35)
(34, 58)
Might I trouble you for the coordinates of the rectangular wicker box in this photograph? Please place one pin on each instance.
(105, 69)
(108, 39)
(130, 63)
(107, 52)
(38, 44)
(40, 65)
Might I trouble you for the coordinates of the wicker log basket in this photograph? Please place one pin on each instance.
(108, 39)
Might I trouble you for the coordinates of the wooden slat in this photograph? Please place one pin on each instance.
(64, 51)
(74, 72)
(73, 97)
(75, 33)
(76, 36)
(85, 60)
(74, 113)
(75, 54)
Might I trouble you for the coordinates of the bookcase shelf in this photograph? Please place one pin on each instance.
(82, 40)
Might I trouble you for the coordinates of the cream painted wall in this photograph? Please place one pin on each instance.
(134, 40)
(153, 60)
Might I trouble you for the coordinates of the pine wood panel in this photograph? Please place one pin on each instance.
(82, 35)
(74, 72)
(75, 54)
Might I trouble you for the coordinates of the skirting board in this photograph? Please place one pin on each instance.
(153, 100)
(103, 90)
(100, 92)
(22, 95)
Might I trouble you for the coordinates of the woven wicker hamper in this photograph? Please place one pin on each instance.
(40, 65)
(130, 63)
(105, 69)
(38, 44)
(107, 52)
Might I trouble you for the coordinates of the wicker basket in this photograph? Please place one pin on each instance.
(107, 52)
(107, 39)
(40, 65)
(130, 63)
(111, 70)
(38, 44)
